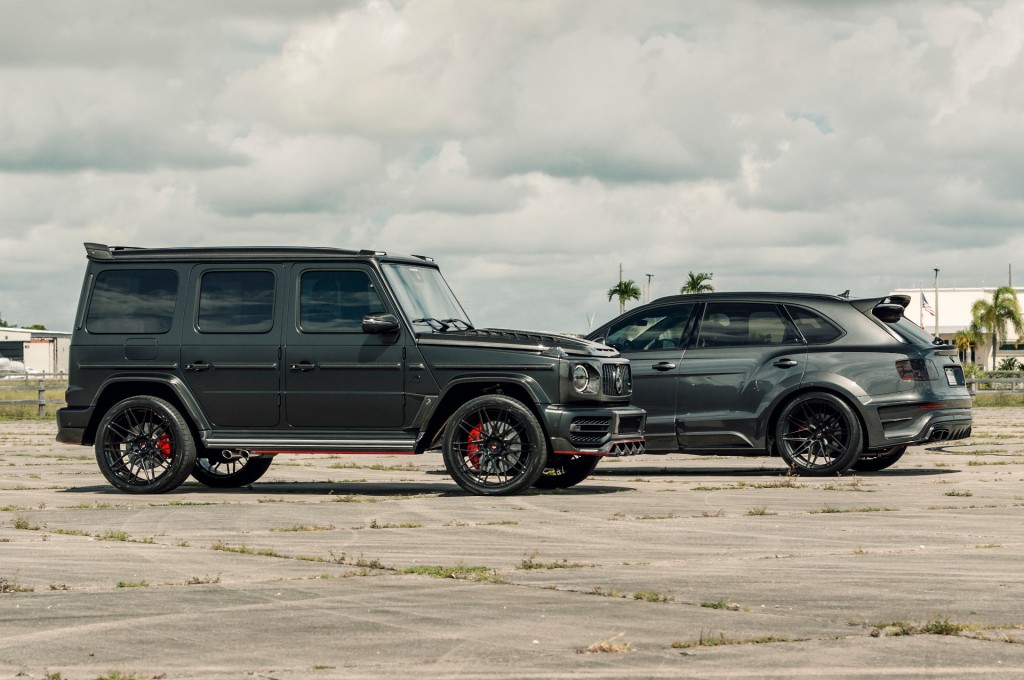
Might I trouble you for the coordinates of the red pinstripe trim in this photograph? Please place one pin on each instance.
(334, 452)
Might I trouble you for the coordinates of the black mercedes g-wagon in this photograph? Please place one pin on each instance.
(210, 361)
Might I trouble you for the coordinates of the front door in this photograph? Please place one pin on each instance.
(337, 376)
(652, 339)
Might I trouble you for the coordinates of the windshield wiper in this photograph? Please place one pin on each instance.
(436, 324)
(468, 325)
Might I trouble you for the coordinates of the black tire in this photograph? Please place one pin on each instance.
(818, 434)
(873, 462)
(217, 471)
(143, 445)
(564, 470)
(494, 446)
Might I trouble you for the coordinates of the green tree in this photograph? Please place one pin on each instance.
(625, 291)
(3, 321)
(698, 283)
(966, 340)
(993, 317)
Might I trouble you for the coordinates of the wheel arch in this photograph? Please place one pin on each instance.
(168, 388)
(828, 388)
(458, 392)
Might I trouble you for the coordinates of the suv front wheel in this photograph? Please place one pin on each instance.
(494, 446)
(818, 434)
(143, 445)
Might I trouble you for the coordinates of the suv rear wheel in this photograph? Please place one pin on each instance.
(818, 434)
(225, 471)
(143, 445)
(494, 445)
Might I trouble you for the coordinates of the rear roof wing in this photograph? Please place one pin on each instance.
(889, 309)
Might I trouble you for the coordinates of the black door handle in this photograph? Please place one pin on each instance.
(785, 363)
(663, 366)
(198, 366)
(303, 366)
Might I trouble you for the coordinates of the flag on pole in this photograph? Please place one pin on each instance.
(927, 307)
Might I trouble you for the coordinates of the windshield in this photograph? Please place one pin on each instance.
(426, 298)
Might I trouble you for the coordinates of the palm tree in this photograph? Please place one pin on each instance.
(698, 283)
(965, 340)
(625, 291)
(994, 317)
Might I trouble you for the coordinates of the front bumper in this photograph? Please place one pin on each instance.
(598, 431)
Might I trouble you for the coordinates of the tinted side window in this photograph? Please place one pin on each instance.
(660, 328)
(133, 301)
(336, 301)
(815, 328)
(236, 302)
(745, 324)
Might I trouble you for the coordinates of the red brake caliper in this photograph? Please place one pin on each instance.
(476, 436)
(164, 445)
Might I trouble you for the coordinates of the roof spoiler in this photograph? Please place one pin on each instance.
(888, 309)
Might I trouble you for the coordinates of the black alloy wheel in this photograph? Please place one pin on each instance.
(143, 445)
(494, 445)
(818, 434)
(229, 471)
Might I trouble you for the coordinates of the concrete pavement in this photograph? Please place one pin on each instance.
(374, 566)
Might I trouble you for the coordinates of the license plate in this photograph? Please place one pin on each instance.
(951, 377)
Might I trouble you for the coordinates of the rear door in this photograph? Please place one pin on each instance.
(230, 349)
(742, 356)
(337, 376)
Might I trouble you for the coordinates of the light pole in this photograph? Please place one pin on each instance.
(649, 277)
(936, 302)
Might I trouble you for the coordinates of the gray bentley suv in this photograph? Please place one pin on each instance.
(825, 382)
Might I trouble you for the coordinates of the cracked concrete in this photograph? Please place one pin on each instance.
(686, 566)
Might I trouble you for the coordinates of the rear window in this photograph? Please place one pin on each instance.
(236, 302)
(133, 301)
(912, 333)
(815, 328)
(743, 324)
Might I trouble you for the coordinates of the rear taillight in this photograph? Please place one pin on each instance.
(912, 369)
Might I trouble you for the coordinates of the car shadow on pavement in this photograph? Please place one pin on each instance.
(337, 490)
(619, 471)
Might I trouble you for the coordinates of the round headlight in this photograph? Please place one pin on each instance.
(580, 378)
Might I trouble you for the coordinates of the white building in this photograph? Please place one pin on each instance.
(25, 350)
(950, 311)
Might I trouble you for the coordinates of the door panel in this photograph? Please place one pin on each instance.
(337, 376)
(651, 339)
(743, 356)
(230, 350)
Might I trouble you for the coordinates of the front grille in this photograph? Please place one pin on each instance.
(590, 430)
(617, 380)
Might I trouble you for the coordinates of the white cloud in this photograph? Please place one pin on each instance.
(530, 146)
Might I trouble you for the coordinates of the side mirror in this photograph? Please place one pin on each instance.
(380, 323)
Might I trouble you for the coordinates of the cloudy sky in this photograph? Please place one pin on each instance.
(529, 146)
